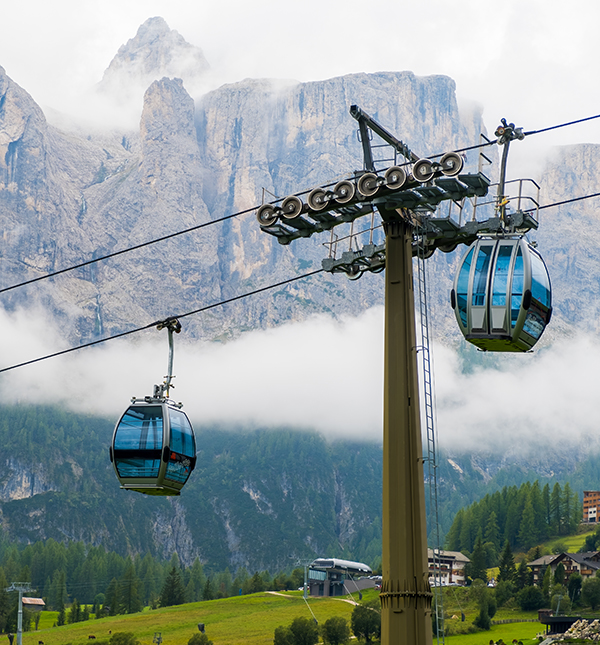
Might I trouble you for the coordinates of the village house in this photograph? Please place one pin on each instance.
(584, 563)
(451, 566)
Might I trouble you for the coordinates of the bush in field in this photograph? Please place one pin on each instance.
(366, 623)
(302, 631)
(124, 638)
(199, 639)
(335, 631)
(531, 598)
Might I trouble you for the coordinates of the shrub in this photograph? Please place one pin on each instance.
(505, 590)
(335, 631)
(199, 639)
(366, 623)
(124, 638)
(304, 631)
(530, 598)
(282, 636)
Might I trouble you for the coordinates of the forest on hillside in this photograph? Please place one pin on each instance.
(523, 516)
(260, 499)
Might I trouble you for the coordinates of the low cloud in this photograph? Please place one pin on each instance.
(318, 374)
(546, 398)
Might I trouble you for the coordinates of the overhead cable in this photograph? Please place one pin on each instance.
(568, 201)
(127, 250)
(562, 125)
(154, 324)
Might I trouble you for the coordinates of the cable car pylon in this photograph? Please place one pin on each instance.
(406, 196)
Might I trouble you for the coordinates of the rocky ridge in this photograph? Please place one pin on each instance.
(72, 197)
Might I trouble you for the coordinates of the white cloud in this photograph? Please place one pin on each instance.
(319, 374)
(544, 398)
(530, 61)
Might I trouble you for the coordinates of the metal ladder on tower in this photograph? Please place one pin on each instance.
(431, 458)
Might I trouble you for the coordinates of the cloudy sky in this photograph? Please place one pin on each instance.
(531, 61)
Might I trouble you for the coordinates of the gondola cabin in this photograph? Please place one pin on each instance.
(153, 449)
(501, 295)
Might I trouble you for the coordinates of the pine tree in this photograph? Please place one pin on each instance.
(547, 583)
(492, 533)
(58, 597)
(112, 597)
(256, 583)
(559, 574)
(173, 591)
(129, 594)
(75, 612)
(539, 512)
(208, 592)
(524, 576)
(4, 601)
(223, 584)
(507, 570)
(466, 531)
(477, 567)
(453, 535)
(556, 509)
(193, 590)
(528, 532)
(547, 513)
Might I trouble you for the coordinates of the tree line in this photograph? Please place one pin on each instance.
(80, 581)
(524, 516)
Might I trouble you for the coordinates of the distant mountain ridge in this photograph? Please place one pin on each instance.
(67, 196)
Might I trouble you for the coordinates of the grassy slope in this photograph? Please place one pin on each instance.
(243, 620)
(252, 619)
(572, 542)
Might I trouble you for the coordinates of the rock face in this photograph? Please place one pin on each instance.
(569, 237)
(65, 198)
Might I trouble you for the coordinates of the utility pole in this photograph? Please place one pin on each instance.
(21, 587)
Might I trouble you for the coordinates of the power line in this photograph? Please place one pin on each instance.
(562, 125)
(568, 201)
(189, 313)
(127, 250)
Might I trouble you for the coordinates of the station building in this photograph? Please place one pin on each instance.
(334, 577)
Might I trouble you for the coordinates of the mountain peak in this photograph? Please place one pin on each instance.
(156, 51)
(153, 27)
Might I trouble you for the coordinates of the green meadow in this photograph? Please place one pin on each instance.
(241, 620)
(252, 619)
